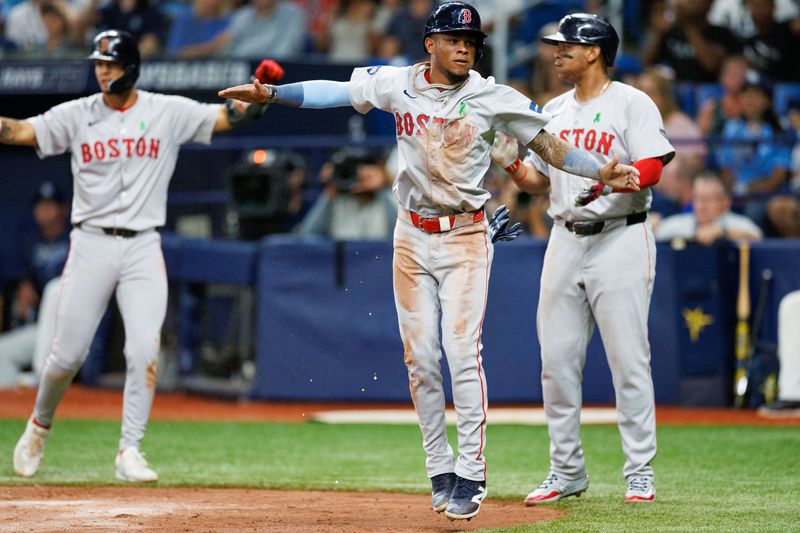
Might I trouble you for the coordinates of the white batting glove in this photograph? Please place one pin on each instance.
(590, 194)
(505, 150)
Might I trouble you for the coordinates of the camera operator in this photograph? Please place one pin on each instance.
(356, 202)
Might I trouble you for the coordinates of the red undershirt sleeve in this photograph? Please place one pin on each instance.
(649, 172)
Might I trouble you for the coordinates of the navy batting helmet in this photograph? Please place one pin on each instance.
(583, 28)
(456, 16)
(121, 46)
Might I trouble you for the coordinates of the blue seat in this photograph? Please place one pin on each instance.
(782, 95)
(706, 91)
(685, 95)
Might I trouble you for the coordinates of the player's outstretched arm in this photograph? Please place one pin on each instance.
(18, 132)
(566, 157)
(316, 94)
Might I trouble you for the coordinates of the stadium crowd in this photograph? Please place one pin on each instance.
(713, 67)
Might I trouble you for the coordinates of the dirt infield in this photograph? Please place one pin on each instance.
(218, 510)
(39, 508)
(103, 404)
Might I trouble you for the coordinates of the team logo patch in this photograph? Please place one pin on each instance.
(465, 17)
(372, 70)
(535, 107)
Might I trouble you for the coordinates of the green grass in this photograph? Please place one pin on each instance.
(726, 478)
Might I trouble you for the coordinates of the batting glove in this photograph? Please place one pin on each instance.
(498, 226)
(505, 149)
(269, 72)
(590, 194)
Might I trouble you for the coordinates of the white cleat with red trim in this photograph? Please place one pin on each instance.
(640, 489)
(29, 451)
(554, 488)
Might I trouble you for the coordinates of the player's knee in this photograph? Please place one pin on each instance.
(58, 366)
(424, 371)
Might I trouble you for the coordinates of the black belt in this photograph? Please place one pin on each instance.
(116, 232)
(594, 227)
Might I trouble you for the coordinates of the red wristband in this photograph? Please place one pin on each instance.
(521, 178)
(513, 167)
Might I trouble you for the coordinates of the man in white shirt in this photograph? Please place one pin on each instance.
(710, 219)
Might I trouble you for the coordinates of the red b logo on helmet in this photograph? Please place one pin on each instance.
(465, 17)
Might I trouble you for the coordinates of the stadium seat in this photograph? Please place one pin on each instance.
(685, 95)
(782, 95)
(706, 91)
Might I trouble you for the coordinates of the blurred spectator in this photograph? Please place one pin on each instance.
(207, 20)
(356, 203)
(545, 84)
(714, 112)
(384, 13)
(733, 15)
(681, 130)
(752, 156)
(773, 48)
(33, 308)
(710, 219)
(673, 192)
(351, 34)
(263, 28)
(59, 33)
(783, 217)
(7, 47)
(319, 14)
(793, 127)
(681, 37)
(138, 17)
(627, 69)
(25, 27)
(408, 26)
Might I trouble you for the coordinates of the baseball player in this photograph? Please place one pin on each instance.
(446, 115)
(124, 144)
(600, 260)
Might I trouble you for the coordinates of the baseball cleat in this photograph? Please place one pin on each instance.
(781, 409)
(640, 489)
(555, 488)
(29, 452)
(443, 485)
(466, 499)
(132, 467)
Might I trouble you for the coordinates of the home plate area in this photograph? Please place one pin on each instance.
(54, 509)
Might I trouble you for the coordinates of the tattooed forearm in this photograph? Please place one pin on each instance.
(6, 130)
(19, 132)
(561, 155)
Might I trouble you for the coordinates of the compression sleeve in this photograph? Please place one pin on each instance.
(315, 94)
(649, 172)
(581, 163)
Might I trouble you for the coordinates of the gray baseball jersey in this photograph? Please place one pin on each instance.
(444, 138)
(624, 121)
(604, 278)
(122, 162)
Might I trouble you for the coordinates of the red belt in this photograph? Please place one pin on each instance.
(440, 224)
